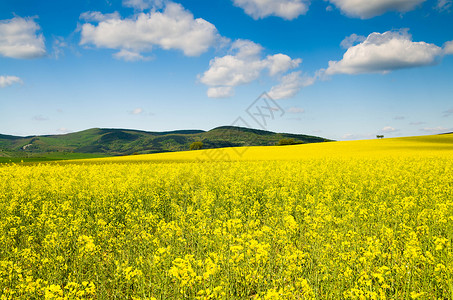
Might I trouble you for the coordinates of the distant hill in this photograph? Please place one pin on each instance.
(125, 141)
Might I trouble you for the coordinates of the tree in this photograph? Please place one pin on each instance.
(196, 145)
(283, 142)
(380, 136)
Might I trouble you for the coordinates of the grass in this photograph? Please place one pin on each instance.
(47, 157)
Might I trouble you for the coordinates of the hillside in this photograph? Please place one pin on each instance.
(113, 142)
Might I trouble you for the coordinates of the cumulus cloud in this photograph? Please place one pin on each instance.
(240, 68)
(366, 9)
(385, 52)
(388, 129)
(448, 47)
(19, 39)
(286, 9)
(290, 85)
(220, 92)
(280, 63)
(244, 65)
(143, 4)
(6, 81)
(172, 28)
(351, 40)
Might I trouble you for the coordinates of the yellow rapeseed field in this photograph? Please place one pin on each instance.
(340, 220)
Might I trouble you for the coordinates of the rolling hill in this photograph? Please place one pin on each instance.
(113, 142)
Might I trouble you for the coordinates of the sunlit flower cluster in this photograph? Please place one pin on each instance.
(320, 228)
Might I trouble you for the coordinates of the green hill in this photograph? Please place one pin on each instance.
(110, 142)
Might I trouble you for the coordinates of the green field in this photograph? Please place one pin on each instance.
(43, 157)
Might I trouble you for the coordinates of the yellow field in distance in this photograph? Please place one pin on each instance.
(420, 146)
(339, 220)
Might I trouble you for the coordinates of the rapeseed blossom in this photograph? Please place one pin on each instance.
(331, 221)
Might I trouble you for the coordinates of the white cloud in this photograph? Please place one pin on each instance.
(286, 9)
(435, 130)
(349, 136)
(385, 52)
(243, 66)
(290, 85)
(448, 47)
(233, 70)
(129, 55)
(366, 9)
(143, 4)
(246, 49)
(354, 136)
(64, 130)
(174, 28)
(444, 5)
(280, 63)
(220, 92)
(19, 39)
(58, 47)
(137, 111)
(95, 16)
(6, 81)
(295, 110)
(388, 129)
(351, 40)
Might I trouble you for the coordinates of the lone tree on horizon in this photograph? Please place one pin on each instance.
(380, 136)
(196, 145)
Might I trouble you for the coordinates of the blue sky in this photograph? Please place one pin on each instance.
(341, 69)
